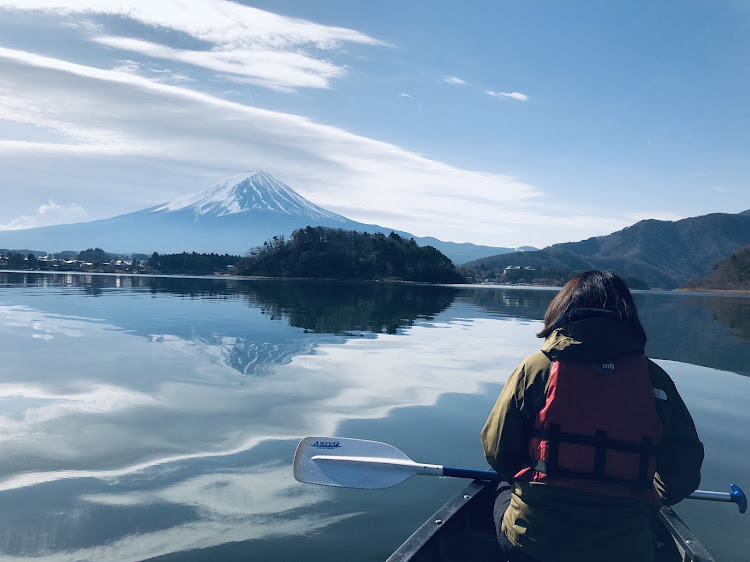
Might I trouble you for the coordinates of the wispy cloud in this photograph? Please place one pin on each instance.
(48, 214)
(513, 95)
(278, 70)
(129, 66)
(158, 74)
(266, 49)
(137, 135)
(454, 80)
(106, 114)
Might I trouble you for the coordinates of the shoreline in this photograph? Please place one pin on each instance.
(254, 277)
(222, 276)
(706, 290)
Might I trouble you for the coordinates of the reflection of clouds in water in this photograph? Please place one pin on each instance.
(202, 534)
(186, 401)
(231, 507)
(207, 413)
(435, 359)
(45, 476)
(41, 325)
(259, 491)
(26, 405)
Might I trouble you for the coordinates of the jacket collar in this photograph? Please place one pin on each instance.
(593, 336)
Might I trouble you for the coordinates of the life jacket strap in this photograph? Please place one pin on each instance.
(601, 443)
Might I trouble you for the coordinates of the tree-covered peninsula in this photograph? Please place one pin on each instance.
(191, 263)
(731, 274)
(321, 252)
(311, 252)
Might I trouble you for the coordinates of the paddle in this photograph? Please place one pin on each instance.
(356, 463)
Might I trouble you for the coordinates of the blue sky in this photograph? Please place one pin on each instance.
(501, 123)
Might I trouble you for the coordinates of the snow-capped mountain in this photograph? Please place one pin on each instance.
(248, 192)
(231, 217)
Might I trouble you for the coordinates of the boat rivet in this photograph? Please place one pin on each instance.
(438, 521)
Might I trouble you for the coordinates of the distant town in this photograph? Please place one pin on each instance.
(69, 261)
(97, 261)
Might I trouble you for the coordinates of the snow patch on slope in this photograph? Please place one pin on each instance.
(245, 192)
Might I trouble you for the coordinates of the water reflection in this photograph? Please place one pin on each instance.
(332, 306)
(339, 307)
(733, 312)
(137, 518)
(225, 335)
(698, 329)
(712, 331)
(708, 330)
(511, 302)
(130, 422)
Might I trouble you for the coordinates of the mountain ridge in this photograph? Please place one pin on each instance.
(664, 254)
(231, 216)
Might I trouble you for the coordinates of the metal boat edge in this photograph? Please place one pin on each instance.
(461, 530)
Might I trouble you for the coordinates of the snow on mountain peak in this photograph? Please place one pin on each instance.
(247, 192)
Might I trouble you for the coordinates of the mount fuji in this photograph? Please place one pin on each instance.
(231, 216)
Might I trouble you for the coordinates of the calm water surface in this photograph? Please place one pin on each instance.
(146, 418)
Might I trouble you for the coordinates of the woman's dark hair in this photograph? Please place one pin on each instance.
(591, 294)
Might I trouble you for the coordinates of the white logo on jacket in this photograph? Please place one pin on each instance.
(605, 367)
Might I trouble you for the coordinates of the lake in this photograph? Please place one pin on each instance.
(153, 417)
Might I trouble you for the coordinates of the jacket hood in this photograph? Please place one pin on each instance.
(593, 339)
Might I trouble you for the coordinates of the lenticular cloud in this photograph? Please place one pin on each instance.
(263, 48)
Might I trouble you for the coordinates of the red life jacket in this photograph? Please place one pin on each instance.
(599, 430)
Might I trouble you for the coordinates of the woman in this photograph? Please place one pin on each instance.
(591, 436)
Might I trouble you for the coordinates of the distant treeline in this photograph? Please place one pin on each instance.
(731, 274)
(191, 262)
(17, 260)
(320, 252)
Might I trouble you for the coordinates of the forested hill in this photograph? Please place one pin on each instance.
(321, 252)
(731, 274)
(664, 254)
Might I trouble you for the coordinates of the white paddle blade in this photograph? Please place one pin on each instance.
(354, 463)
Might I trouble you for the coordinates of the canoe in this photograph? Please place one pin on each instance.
(463, 530)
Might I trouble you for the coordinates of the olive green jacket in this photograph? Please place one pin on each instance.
(551, 523)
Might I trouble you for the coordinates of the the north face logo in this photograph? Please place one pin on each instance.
(605, 367)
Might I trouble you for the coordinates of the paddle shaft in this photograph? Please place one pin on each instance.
(736, 496)
(470, 473)
(711, 496)
(491, 475)
(356, 463)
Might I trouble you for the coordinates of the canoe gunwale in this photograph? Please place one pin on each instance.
(430, 543)
(693, 550)
(436, 523)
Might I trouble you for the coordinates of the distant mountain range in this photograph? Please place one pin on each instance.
(664, 254)
(230, 217)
